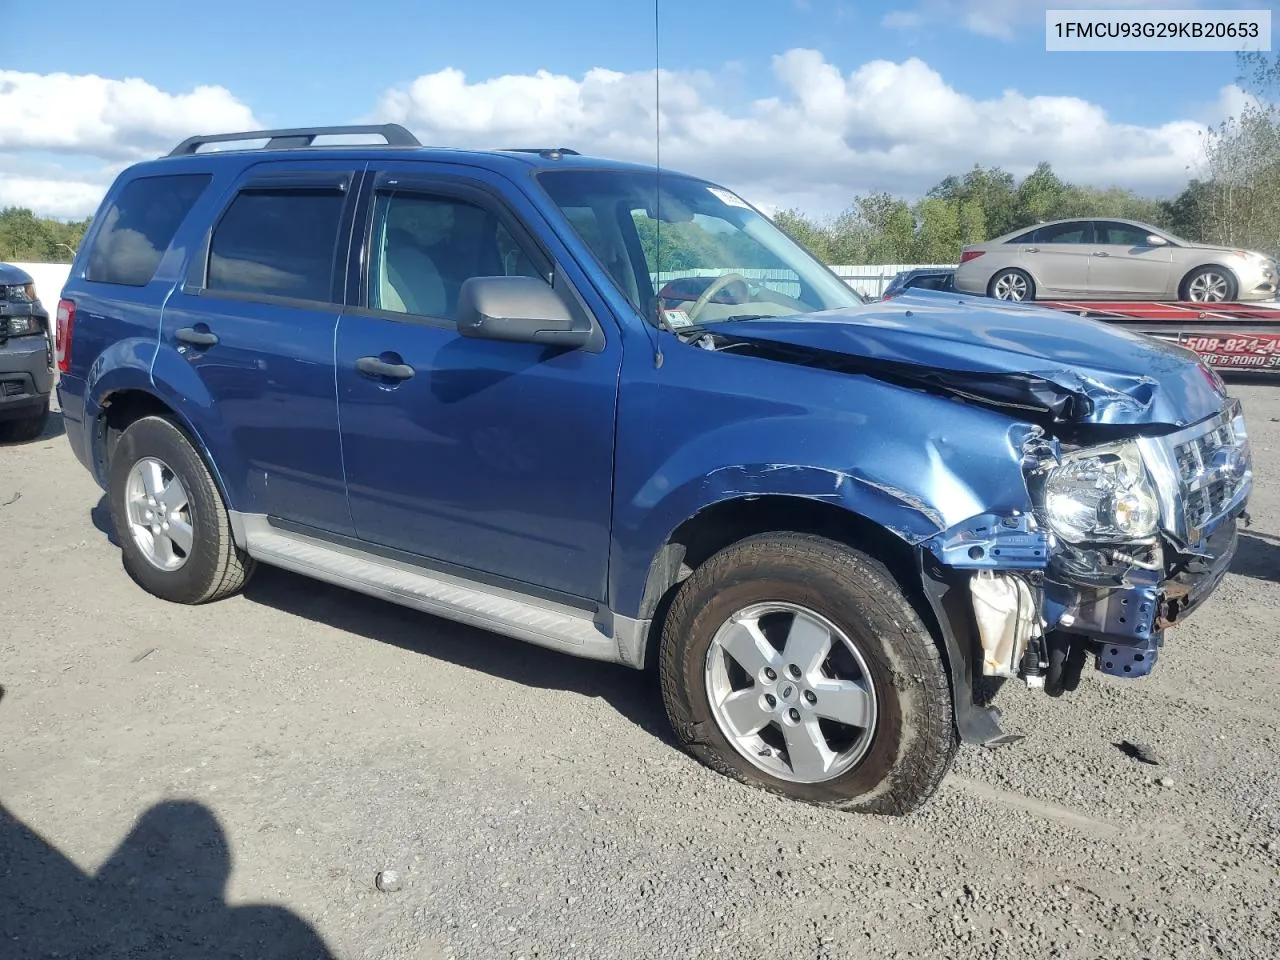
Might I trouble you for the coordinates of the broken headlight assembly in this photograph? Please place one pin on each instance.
(1101, 495)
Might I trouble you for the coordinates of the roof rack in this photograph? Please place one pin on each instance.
(547, 153)
(393, 133)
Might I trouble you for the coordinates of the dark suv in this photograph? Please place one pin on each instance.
(26, 358)
(462, 381)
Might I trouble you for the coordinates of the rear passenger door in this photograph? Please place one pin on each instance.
(255, 321)
(491, 458)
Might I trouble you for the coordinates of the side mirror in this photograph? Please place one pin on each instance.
(1156, 241)
(518, 309)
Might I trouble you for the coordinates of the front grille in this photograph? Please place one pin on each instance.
(1203, 473)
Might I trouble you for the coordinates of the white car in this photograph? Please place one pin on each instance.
(1108, 259)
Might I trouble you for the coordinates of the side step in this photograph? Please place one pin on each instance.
(480, 605)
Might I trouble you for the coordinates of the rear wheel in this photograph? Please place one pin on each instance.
(1208, 285)
(169, 518)
(1011, 284)
(793, 663)
(25, 429)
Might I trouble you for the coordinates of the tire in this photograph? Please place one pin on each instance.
(911, 740)
(210, 566)
(25, 429)
(1005, 282)
(1208, 285)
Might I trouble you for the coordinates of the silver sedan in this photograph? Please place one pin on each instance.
(1098, 259)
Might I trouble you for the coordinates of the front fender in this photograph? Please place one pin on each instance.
(912, 463)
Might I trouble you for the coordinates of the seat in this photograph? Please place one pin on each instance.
(408, 279)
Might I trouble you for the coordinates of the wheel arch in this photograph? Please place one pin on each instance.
(1008, 267)
(1206, 265)
(122, 407)
(725, 522)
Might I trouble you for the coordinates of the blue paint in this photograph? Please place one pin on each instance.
(567, 471)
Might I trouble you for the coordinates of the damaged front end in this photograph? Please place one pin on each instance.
(1125, 539)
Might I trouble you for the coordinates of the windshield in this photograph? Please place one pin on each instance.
(710, 258)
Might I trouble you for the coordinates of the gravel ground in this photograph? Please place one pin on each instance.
(165, 772)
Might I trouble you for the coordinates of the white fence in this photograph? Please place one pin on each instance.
(868, 279)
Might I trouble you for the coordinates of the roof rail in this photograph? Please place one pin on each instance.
(393, 133)
(547, 153)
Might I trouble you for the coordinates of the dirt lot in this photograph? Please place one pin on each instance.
(228, 780)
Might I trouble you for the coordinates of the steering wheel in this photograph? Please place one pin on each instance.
(714, 287)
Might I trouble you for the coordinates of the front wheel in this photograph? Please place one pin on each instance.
(793, 663)
(1208, 285)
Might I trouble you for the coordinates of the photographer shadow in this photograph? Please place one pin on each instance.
(161, 894)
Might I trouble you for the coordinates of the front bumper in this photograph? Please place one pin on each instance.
(1040, 606)
(26, 373)
(1123, 624)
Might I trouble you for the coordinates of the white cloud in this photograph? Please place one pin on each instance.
(112, 122)
(825, 137)
(1003, 18)
(64, 199)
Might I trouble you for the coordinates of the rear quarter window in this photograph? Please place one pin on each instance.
(139, 226)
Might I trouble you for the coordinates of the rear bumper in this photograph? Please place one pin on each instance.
(26, 376)
(71, 402)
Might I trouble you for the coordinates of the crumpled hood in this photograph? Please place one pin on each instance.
(1069, 368)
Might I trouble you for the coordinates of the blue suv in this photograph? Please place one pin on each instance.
(613, 410)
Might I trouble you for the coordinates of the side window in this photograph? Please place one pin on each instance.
(1121, 234)
(1028, 237)
(426, 247)
(1076, 231)
(277, 242)
(139, 226)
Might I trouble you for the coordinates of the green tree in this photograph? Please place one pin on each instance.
(26, 237)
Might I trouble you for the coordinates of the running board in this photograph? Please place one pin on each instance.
(506, 612)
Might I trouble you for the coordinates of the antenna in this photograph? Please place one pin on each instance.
(657, 178)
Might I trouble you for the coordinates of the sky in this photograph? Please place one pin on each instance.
(793, 103)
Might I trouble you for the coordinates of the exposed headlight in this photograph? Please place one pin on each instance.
(1101, 494)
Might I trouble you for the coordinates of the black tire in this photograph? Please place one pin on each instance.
(25, 429)
(215, 567)
(994, 283)
(1232, 285)
(914, 741)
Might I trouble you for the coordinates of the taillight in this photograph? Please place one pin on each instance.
(62, 336)
(968, 255)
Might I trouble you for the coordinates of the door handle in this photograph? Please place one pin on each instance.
(199, 338)
(1032, 250)
(1101, 253)
(377, 367)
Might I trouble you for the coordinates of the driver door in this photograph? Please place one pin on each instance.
(495, 457)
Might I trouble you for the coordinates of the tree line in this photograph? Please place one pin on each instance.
(26, 238)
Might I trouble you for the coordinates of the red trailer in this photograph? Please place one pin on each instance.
(1242, 337)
